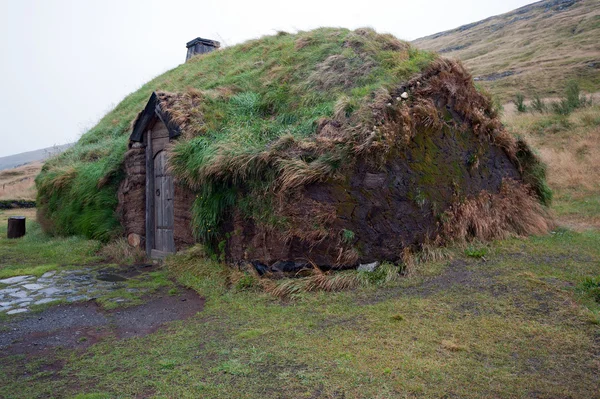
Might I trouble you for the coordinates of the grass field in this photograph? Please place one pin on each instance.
(514, 318)
(511, 320)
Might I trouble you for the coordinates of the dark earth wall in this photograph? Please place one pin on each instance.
(385, 208)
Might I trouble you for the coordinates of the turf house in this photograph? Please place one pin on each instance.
(329, 147)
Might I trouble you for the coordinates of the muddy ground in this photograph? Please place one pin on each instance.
(83, 324)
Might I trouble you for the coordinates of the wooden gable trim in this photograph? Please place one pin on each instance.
(151, 111)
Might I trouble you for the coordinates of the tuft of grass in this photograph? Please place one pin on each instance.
(120, 251)
(520, 102)
(476, 252)
(487, 217)
(571, 100)
(452, 346)
(591, 287)
(347, 236)
(538, 104)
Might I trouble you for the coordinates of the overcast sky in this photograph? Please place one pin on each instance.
(65, 63)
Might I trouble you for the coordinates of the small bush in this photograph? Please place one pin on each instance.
(561, 107)
(572, 100)
(520, 102)
(538, 105)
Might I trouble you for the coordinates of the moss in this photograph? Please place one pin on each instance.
(534, 172)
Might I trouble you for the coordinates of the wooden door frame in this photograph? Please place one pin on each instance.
(149, 195)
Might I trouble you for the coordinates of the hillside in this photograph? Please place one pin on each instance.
(534, 49)
(19, 183)
(12, 161)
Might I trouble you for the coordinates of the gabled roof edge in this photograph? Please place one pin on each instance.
(151, 110)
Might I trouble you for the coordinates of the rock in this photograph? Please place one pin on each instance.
(51, 291)
(45, 300)
(15, 311)
(134, 240)
(260, 268)
(21, 301)
(78, 298)
(404, 95)
(287, 266)
(33, 287)
(368, 267)
(19, 294)
(7, 291)
(15, 280)
(48, 274)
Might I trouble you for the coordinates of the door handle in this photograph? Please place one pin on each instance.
(158, 192)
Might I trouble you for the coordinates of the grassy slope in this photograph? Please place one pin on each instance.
(569, 146)
(19, 182)
(543, 47)
(252, 93)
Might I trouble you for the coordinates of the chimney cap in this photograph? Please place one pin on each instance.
(206, 42)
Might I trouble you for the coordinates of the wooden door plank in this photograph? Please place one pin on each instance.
(168, 212)
(169, 242)
(149, 195)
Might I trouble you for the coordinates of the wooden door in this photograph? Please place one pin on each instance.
(163, 205)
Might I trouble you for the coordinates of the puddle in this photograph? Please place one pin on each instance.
(110, 277)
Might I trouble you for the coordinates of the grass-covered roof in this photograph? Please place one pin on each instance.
(267, 92)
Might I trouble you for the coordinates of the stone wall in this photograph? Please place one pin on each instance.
(132, 196)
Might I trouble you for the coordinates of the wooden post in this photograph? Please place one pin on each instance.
(16, 227)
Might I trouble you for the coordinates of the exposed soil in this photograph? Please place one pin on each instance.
(81, 325)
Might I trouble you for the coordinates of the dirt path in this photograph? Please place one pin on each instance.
(83, 324)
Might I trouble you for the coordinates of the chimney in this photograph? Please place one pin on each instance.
(200, 46)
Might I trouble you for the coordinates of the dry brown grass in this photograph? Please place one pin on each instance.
(317, 281)
(452, 346)
(120, 251)
(570, 147)
(19, 183)
(514, 211)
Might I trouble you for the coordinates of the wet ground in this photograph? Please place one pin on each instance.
(18, 294)
(83, 324)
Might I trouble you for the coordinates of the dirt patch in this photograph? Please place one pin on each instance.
(81, 325)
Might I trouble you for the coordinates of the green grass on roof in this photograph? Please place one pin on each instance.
(242, 98)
